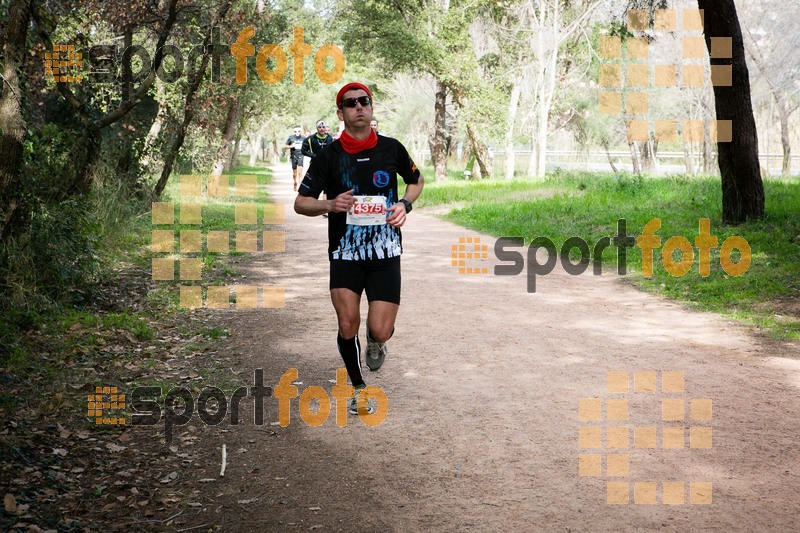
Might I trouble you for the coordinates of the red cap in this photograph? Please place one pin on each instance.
(350, 86)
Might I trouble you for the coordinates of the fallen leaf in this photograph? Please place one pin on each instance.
(115, 448)
(60, 452)
(10, 503)
(172, 476)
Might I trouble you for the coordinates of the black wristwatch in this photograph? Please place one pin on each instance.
(407, 204)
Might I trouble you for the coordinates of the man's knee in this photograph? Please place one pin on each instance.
(381, 333)
(348, 327)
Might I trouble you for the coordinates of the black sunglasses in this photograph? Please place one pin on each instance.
(351, 102)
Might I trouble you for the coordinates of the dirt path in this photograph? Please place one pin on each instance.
(484, 383)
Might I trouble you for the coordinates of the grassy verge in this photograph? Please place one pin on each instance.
(589, 205)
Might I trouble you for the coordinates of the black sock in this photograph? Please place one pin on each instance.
(350, 350)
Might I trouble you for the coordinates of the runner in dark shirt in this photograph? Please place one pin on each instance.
(295, 144)
(313, 144)
(359, 173)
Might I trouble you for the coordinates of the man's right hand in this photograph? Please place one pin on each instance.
(343, 202)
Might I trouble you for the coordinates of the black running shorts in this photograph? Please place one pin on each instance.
(379, 277)
(297, 160)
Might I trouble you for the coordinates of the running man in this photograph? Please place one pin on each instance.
(359, 173)
(295, 145)
(313, 144)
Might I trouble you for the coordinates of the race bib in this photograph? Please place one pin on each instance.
(298, 145)
(367, 211)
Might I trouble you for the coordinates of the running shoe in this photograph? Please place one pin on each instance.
(376, 353)
(352, 403)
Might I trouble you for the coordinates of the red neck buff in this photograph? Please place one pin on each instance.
(353, 146)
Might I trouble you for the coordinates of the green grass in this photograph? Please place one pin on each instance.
(217, 214)
(589, 206)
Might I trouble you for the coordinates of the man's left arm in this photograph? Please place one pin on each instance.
(397, 213)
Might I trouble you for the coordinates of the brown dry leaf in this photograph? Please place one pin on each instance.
(10, 503)
(114, 448)
(60, 452)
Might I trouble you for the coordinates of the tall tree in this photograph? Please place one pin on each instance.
(742, 188)
(12, 122)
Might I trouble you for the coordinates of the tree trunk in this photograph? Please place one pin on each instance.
(259, 139)
(742, 188)
(783, 115)
(513, 106)
(188, 106)
(687, 159)
(646, 157)
(12, 123)
(438, 142)
(481, 152)
(153, 133)
(610, 159)
(637, 168)
(224, 150)
(233, 162)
